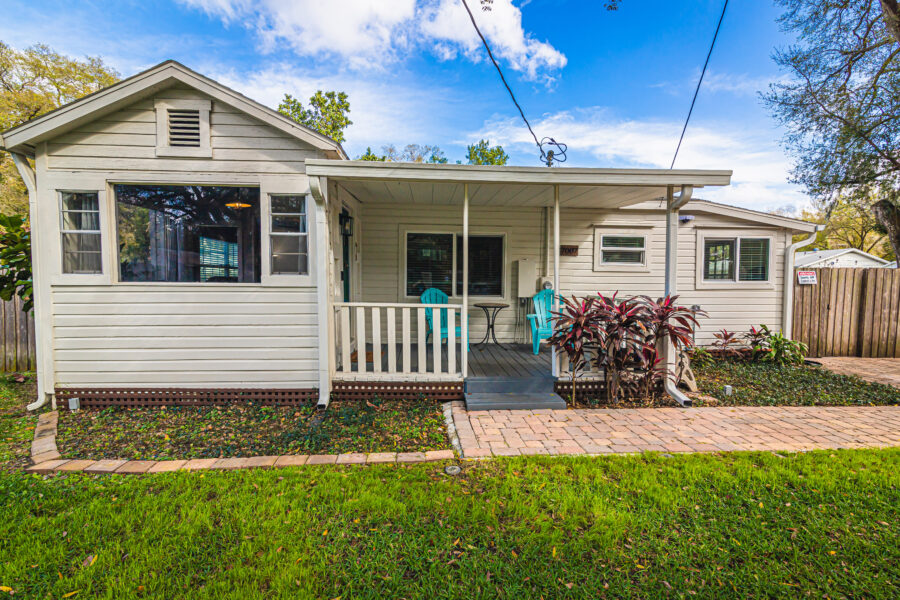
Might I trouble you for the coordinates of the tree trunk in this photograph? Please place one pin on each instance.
(890, 12)
(888, 215)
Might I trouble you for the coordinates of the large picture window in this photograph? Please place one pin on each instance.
(177, 233)
(434, 260)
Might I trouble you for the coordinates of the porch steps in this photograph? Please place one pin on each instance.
(512, 393)
(507, 401)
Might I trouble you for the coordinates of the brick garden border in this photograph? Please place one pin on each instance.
(47, 459)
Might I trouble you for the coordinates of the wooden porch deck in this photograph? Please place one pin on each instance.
(512, 360)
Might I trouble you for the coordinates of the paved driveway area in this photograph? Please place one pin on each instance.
(604, 431)
(879, 370)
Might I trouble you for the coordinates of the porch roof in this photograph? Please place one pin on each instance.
(417, 183)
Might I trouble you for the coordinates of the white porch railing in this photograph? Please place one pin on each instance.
(590, 371)
(388, 342)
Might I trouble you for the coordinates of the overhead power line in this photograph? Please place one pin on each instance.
(697, 90)
(549, 156)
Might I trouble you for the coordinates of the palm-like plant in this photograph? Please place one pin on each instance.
(575, 326)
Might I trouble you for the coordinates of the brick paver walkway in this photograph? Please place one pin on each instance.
(879, 370)
(605, 431)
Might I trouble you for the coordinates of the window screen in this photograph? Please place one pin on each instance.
(429, 262)
(289, 238)
(754, 260)
(485, 265)
(80, 229)
(718, 260)
(622, 249)
(188, 233)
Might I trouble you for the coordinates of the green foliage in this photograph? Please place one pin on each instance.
(839, 102)
(482, 153)
(16, 423)
(784, 351)
(35, 81)
(371, 156)
(327, 113)
(772, 384)
(738, 525)
(414, 153)
(701, 357)
(15, 261)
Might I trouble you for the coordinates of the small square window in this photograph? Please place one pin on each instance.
(80, 231)
(288, 235)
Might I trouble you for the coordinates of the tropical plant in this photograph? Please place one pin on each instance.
(785, 351)
(758, 340)
(727, 343)
(701, 357)
(15, 260)
(668, 320)
(577, 325)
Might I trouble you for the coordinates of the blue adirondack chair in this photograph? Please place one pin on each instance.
(541, 320)
(436, 296)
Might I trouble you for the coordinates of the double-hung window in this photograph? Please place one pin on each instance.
(80, 228)
(736, 259)
(288, 235)
(435, 260)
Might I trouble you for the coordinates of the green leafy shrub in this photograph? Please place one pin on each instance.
(15, 260)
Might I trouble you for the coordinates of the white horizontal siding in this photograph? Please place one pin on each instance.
(126, 141)
(734, 309)
(171, 335)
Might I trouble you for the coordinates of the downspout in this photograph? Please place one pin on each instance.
(787, 297)
(672, 206)
(323, 266)
(28, 176)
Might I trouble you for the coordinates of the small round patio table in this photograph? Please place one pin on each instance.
(490, 313)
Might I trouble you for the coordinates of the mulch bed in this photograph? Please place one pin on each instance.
(251, 430)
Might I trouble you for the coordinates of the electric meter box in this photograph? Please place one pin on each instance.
(527, 270)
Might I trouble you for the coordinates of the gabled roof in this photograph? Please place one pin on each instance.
(24, 137)
(747, 214)
(805, 259)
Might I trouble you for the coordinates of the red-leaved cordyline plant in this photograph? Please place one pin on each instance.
(727, 343)
(575, 326)
(625, 335)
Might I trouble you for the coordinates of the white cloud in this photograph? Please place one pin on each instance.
(737, 84)
(595, 138)
(376, 33)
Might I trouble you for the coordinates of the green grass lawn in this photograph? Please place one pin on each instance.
(765, 384)
(16, 425)
(821, 524)
(248, 430)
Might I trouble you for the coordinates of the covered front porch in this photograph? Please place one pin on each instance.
(476, 234)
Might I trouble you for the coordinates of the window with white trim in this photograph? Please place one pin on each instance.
(434, 260)
(80, 229)
(623, 249)
(288, 235)
(736, 259)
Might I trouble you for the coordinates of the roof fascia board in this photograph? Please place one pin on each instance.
(750, 215)
(357, 170)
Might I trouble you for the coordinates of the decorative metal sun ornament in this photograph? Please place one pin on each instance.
(552, 151)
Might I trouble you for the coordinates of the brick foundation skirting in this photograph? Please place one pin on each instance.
(150, 397)
(396, 390)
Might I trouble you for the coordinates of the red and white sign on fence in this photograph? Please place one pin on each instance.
(807, 278)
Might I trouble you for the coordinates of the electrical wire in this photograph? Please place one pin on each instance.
(697, 90)
(547, 157)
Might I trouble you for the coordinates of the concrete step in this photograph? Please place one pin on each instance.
(509, 385)
(483, 401)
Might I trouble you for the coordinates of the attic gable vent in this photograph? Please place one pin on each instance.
(184, 128)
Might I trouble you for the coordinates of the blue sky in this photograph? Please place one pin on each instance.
(615, 86)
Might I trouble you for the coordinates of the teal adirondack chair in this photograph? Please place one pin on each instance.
(541, 320)
(436, 296)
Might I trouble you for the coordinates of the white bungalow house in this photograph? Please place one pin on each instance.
(191, 243)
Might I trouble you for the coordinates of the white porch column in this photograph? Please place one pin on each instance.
(553, 357)
(671, 281)
(322, 262)
(464, 314)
